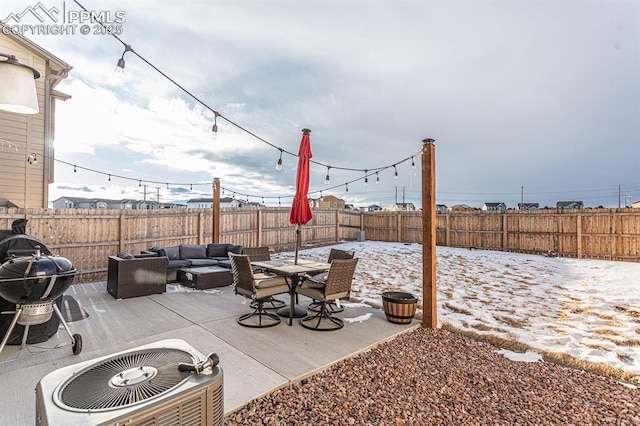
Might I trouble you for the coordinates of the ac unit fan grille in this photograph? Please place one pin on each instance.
(124, 380)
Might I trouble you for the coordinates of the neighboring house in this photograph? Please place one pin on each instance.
(462, 208)
(328, 202)
(403, 207)
(441, 208)
(201, 203)
(636, 205)
(349, 207)
(207, 203)
(494, 206)
(23, 183)
(99, 203)
(528, 206)
(373, 208)
(229, 202)
(575, 205)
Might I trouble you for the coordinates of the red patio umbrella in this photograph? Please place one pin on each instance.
(300, 209)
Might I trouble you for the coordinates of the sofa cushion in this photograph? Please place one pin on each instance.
(203, 262)
(217, 250)
(172, 252)
(234, 249)
(178, 263)
(192, 251)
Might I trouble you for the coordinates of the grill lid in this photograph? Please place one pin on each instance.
(124, 380)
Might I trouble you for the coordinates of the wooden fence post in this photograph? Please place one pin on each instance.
(579, 235)
(121, 236)
(429, 289)
(259, 236)
(215, 207)
(504, 231)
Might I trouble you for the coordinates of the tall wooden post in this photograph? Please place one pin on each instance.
(429, 289)
(215, 210)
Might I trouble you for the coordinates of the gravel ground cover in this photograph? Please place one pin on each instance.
(442, 377)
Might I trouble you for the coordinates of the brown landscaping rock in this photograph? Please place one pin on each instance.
(440, 377)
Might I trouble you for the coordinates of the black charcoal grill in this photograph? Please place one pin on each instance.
(32, 279)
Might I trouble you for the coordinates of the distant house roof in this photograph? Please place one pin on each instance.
(569, 205)
(201, 200)
(403, 206)
(494, 206)
(528, 206)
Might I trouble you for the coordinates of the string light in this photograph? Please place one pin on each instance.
(120, 65)
(366, 179)
(109, 178)
(74, 169)
(139, 183)
(32, 158)
(395, 172)
(167, 185)
(346, 187)
(377, 178)
(279, 163)
(413, 163)
(214, 129)
(327, 179)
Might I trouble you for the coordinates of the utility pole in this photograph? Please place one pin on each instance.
(396, 201)
(619, 187)
(521, 196)
(144, 193)
(403, 200)
(158, 196)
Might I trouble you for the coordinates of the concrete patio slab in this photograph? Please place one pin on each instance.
(254, 361)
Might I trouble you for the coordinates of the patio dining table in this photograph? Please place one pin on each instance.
(287, 268)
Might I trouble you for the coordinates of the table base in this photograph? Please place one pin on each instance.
(298, 312)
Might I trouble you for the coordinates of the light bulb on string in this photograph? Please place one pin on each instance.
(395, 172)
(109, 178)
(366, 179)
(327, 179)
(139, 183)
(279, 203)
(214, 128)
(377, 178)
(346, 187)
(279, 163)
(120, 65)
(74, 169)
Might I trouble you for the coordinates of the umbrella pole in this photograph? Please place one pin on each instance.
(295, 262)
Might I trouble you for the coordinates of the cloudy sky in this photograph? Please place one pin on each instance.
(535, 99)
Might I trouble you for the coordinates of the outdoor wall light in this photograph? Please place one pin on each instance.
(120, 65)
(279, 163)
(32, 158)
(17, 86)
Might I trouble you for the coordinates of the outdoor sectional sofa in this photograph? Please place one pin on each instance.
(194, 255)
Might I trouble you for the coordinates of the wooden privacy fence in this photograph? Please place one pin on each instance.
(88, 237)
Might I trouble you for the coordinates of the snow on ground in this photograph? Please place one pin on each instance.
(589, 309)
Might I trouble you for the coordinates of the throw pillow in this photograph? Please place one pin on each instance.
(234, 249)
(124, 255)
(217, 250)
(192, 251)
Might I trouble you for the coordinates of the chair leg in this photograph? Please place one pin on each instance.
(264, 318)
(325, 322)
(331, 307)
(271, 302)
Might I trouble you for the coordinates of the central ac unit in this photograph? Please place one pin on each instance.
(166, 383)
